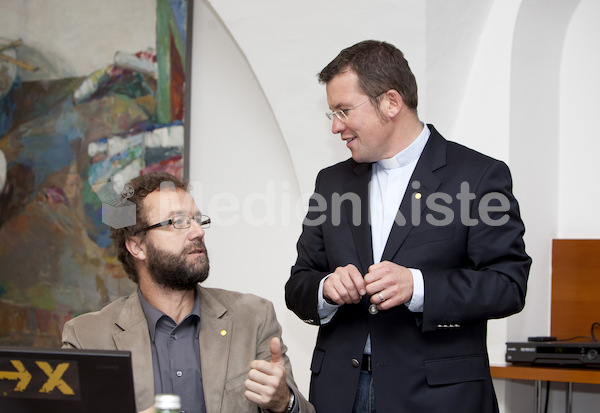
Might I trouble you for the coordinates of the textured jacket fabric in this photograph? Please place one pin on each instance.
(235, 329)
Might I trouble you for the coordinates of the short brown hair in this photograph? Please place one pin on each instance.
(380, 67)
(142, 186)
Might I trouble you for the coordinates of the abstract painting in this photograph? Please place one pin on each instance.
(62, 143)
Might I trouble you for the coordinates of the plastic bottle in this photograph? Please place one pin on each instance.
(167, 403)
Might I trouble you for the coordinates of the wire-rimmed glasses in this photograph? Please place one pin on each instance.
(342, 114)
(181, 222)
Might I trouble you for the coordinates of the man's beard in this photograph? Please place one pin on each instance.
(173, 270)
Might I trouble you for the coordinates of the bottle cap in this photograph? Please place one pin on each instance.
(167, 401)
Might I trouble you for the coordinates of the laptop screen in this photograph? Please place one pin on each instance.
(34, 380)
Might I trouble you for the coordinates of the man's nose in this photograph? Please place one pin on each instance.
(337, 125)
(195, 230)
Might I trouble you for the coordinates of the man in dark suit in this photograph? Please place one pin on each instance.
(407, 250)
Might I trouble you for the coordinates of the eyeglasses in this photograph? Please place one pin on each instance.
(180, 222)
(343, 114)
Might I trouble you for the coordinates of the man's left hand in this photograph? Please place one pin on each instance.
(266, 385)
(391, 281)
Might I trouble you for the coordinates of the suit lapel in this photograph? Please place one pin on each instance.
(361, 233)
(135, 338)
(423, 183)
(215, 342)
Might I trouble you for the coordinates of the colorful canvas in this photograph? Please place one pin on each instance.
(62, 143)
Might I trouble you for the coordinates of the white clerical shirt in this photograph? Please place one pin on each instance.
(389, 181)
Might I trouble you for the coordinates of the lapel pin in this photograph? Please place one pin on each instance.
(223, 332)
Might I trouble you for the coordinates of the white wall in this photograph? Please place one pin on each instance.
(287, 43)
(243, 178)
(259, 133)
(579, 146)
(506, 77)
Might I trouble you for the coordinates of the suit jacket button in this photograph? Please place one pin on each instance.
(355, 363)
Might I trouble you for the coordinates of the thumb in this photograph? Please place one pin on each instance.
(275, 347)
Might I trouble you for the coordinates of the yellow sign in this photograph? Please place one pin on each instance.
(47, 379)
(54, 378)
(22, 376)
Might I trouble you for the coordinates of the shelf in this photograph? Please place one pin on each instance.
(562, 374)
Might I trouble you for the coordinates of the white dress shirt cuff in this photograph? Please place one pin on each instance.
(416, 302)
(326, 311)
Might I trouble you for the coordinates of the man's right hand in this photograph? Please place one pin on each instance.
(344, 286)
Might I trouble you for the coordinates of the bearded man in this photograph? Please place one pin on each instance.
(219, 350)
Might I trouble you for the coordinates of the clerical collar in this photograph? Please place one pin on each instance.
(408, 154)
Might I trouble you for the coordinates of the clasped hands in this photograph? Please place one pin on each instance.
(393, 282)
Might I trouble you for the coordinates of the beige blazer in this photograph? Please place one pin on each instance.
(235, 329)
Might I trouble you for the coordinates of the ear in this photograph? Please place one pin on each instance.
(136, 248)
(394, 103)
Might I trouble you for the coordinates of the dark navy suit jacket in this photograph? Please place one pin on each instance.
(472, 257)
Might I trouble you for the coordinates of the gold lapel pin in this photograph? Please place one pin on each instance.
(223, 332)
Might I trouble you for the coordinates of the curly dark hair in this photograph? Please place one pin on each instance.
(380, 67)
(142, 186)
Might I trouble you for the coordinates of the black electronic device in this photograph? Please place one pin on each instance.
(582, 354)
(34, 380)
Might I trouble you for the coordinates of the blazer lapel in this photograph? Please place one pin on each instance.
(361, 232)
(215, 341)
(423, 183)
(135, 338)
